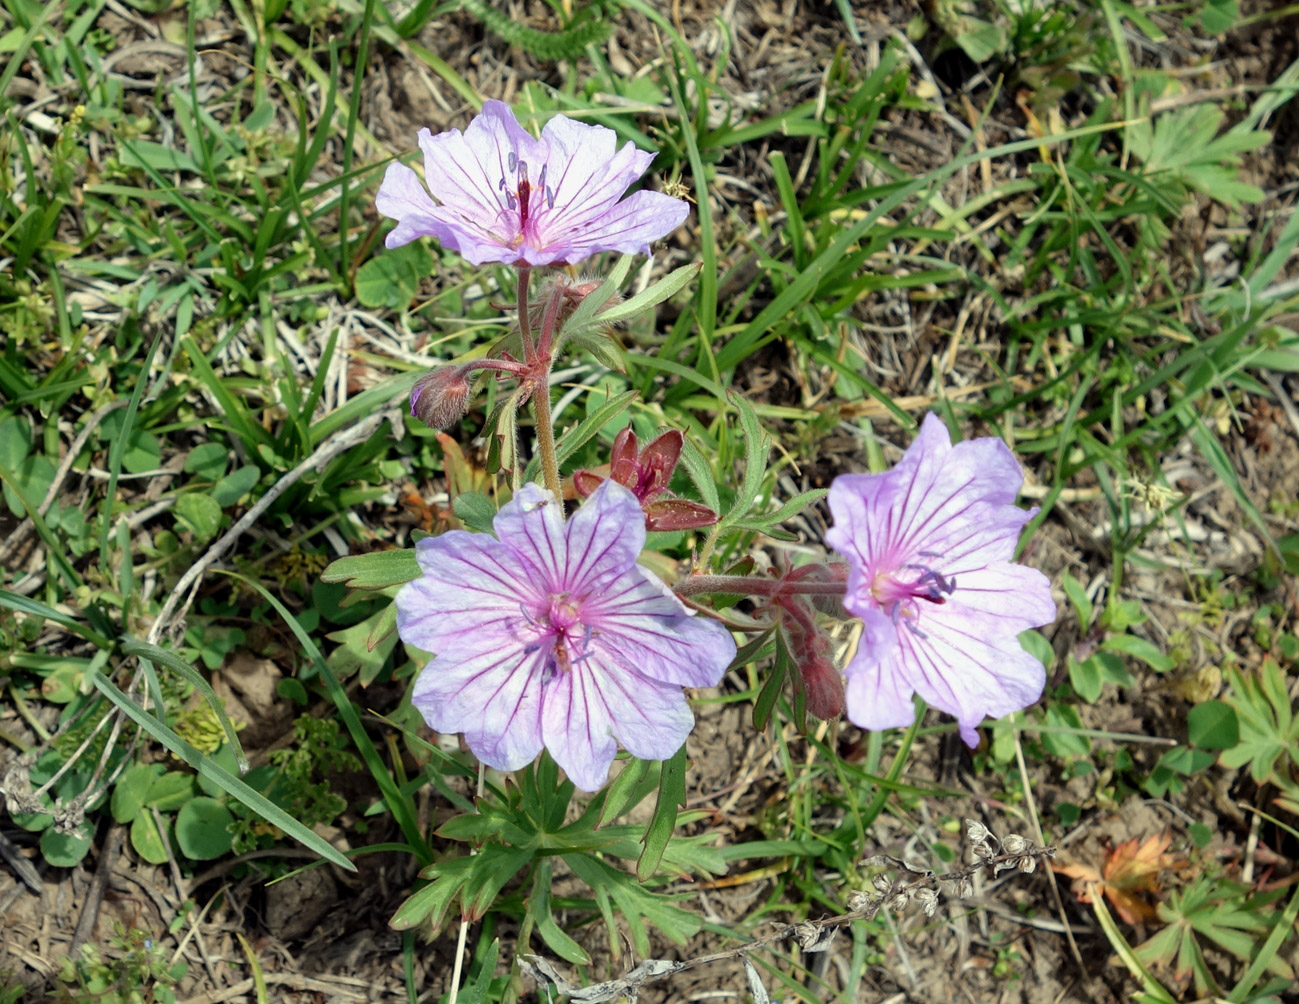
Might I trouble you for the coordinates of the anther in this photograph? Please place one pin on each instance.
(513, 161)
(550, 197)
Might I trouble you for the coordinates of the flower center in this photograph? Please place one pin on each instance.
(899, 591)
(518, 196)
(562, 631)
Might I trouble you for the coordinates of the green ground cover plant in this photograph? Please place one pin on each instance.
(248, 426)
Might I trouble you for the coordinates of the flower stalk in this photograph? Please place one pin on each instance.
(755, 585)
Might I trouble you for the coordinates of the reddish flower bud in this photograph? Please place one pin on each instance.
(816, 675)
(820, 679)
(441, 397)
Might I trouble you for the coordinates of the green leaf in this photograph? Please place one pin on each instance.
(152, 653)
(619, 796)
(147, 841)
(207, 460)
(65, 850)
(131, 792)
(377, 570)
(235, 485)
(354, 650)
(581, 317)
(170, 791)
(639, 905)
(1138, 648)
(429, 905)
(475, 510)
(788, 511)
(551, 933)
(202, 829)
(1077, 595)
(701, 473)
(672, 795)
(655, 294)
(392, 278)
(147, 153)
(980, 40)
(31, 480)
(228, 783)
(1213, 725)
(200, 514)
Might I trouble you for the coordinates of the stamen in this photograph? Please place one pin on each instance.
(511, 201)
(513, 161)
(550, 197)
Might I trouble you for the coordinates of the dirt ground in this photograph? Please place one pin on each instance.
(323, 935)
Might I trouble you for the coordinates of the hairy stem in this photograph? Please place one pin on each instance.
(525, 321)
(746, 585)
(546, 438)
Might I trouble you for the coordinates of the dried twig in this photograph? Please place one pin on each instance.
(912, 885)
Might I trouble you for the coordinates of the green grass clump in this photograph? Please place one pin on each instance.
(204, 360)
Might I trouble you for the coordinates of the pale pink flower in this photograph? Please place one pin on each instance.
(551, 635)
(929, 546)
(499, 195)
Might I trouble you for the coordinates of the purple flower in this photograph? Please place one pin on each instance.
(503, 196)
(929, 547)
(549, 634)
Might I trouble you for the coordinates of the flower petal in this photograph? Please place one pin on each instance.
(472, 587)
(588, 710)
(876, 694)
(961, 667)
(584, 175)
(402, 197)
(598, 543)
(491, 695)
(1009, 598)
(577, 727)
(465, 171)
(629, 227)
(638, 623)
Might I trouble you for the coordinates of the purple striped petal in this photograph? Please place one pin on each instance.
(503, 196)
(929, 547)
(551, 634)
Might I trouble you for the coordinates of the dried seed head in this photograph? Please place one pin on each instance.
(976, 833)
(899, 902)
(928, 900)
(882, 883)
(965, 888)
(859, 901)
(1027, 863)
(1013, 843)
(985, 852)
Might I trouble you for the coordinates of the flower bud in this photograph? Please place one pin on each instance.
(818, 677)
(441, 397)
